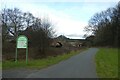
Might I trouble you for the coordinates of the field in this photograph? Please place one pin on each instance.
(39, 63)
(107, 63)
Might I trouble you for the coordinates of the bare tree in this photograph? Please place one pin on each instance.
(12, 21)
(104, 26)
(29, 19)
(39, 31)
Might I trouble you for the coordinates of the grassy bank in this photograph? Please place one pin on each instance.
(107, 63)
(40, 63)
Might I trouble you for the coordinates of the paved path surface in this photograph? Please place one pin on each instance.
(78, 66)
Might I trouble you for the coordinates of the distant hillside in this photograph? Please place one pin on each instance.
(74, 40)
(64, 38)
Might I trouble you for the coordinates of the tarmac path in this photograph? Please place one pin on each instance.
(79, 66)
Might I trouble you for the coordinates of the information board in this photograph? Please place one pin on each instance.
(22, 42)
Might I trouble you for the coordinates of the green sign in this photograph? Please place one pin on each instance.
(22, 42)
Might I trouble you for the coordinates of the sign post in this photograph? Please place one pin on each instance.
(22, 42)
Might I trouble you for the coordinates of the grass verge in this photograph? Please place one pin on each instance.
(107, 63)
(39, 63)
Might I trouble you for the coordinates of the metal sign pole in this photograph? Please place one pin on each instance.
(16, 55)
(27, 54)
(16, 51)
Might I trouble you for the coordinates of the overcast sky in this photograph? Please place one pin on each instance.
(69, 17)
